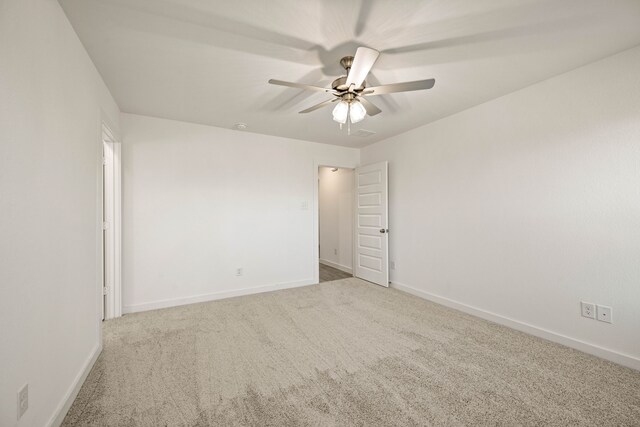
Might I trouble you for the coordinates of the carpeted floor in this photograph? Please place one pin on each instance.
(342, 353)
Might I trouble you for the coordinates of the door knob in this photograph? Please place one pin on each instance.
(382, 230)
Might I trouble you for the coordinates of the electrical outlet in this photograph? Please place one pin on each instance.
(604, 313)
(392, 265)
(304, 206)
(588, 309)
(239, 271)
(23, 400)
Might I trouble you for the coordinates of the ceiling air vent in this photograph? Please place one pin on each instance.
(363, 133)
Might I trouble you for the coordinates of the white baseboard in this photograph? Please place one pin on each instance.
(63, 407)
(337, 266)
(604, 353)
(174, 302)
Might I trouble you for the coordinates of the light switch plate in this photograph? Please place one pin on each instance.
(604, 313)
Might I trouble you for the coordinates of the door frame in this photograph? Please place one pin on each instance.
(316, 212)
(112, 292)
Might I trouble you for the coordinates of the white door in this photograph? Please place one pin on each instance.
(372, 244)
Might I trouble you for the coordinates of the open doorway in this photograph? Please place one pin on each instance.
(335, 223)
(111, 225)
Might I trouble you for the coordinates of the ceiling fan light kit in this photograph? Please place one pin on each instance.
(353, 110)
(351, 90)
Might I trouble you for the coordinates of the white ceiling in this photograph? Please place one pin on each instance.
(208, 61)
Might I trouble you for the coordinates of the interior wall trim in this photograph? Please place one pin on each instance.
(595, 350)
(71, 394)
(174, 302)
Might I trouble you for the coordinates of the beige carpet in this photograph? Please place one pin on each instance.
(342, 353)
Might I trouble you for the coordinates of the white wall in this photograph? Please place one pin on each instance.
(527, 204)
(51, 103)
(335, 197)
(200, 202)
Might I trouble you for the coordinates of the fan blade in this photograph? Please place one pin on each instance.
(300, 86)
(372, 110)
(400, 87)
(362, 64)
(317, 106)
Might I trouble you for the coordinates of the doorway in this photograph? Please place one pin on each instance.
(335, 223)
(111, 225)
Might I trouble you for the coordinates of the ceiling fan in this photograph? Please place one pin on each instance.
(350, 90)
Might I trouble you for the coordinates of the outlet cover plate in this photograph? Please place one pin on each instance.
(604, 313)
(588, 309)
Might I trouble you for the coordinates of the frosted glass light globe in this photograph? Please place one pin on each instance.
(340, 112)
(357, 112)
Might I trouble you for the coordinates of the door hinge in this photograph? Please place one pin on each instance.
(105, 225)
(105, 290)
(104, 160)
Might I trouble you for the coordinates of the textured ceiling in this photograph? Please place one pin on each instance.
(208, 62)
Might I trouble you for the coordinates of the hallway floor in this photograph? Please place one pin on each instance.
(327, 274)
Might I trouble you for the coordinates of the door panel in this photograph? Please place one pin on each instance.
(372, 259)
